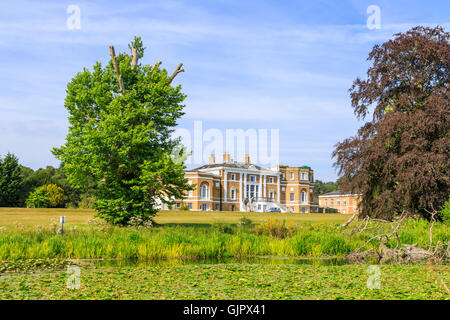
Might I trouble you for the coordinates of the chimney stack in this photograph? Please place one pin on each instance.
(226, 157)
(212, 158)
(247, 158)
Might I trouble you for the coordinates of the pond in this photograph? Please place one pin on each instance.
(267, 260)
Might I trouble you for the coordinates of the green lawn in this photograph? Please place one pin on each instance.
(30, 216)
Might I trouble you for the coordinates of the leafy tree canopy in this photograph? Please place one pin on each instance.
(399, 161)
(121, 119)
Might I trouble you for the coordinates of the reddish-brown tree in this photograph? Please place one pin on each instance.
(400, 159)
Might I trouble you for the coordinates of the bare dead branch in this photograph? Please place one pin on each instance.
(433, 220)
(377, 231)
(116, 68)
(177, 71)
(134, 58)
(348, 221)
(155, 66)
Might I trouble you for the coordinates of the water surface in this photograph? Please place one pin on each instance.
(213, 261)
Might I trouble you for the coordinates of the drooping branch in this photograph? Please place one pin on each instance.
(134, 58)
(116, 68)
(177, 71)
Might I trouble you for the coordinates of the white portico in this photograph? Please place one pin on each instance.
(243, 186)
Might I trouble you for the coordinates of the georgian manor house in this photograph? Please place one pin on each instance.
(243, 186)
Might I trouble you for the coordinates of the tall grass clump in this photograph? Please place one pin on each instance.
(217, 241)
(276, 229)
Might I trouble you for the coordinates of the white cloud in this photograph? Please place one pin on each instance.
(277, 74)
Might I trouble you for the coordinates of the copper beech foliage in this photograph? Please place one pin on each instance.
(399, 161)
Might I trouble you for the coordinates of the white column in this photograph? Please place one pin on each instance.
(264, 187)
(278, 187)
(240, 190)
(225, 186)
(245, 183)
(260, 186)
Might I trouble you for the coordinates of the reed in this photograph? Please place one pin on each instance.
(308, 239)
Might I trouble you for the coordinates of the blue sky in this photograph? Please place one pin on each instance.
(283, 65)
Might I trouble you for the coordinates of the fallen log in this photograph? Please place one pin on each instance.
(406, 254)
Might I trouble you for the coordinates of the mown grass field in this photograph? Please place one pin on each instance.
(32, 217)
(33, 258)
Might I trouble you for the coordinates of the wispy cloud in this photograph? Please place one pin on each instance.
(248, 64)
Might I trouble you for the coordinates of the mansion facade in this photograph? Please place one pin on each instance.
(345, 203)
(243, 186)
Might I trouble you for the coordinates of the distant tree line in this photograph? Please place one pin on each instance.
(321, 187)
(21, 186)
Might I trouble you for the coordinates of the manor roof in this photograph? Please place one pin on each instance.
(235, 165)
(337, 193)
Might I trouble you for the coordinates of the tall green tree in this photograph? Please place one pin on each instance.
(399, 161)
(10, 181)
(121, 119)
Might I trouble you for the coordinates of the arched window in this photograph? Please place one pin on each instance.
(303, 196)
(204, 192)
